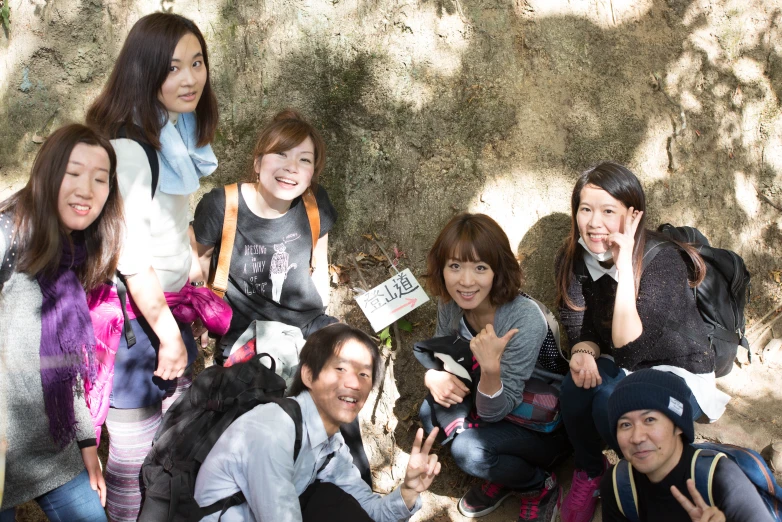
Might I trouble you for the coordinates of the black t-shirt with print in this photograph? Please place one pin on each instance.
(269, 278)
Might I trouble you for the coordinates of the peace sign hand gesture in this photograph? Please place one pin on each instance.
(422, 468)
(700, 511)
(621, 243)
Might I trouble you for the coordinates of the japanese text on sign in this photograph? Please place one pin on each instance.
(391, 300)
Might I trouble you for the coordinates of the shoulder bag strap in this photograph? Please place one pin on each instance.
(219, 283)
(311, 205)
(624, 490)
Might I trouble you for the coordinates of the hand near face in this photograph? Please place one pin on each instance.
(622, 243)
(446, 388)
(422, 468)
(700, 511)
(488, 348)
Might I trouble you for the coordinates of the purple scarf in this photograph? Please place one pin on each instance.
(67, 341)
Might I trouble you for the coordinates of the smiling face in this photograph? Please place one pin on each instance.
(187, 76)
(84, 188)
(599, 214)
(284, 176)
(469, 283)
(342, 386)
(650, 441)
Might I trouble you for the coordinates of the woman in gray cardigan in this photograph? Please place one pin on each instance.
(477, 278)
(60, 235)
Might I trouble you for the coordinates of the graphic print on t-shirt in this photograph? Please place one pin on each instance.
(278, 267)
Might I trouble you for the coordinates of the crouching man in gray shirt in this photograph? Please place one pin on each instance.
(338, 368)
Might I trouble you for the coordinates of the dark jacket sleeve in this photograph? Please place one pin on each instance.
(736, 496)
(664, 292)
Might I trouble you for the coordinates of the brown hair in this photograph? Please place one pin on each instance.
(622, 185)
(475, 237)
(130, 97)
(38, 229)
(286, 130)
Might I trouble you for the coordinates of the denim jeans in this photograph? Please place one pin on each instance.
(585, 414)
(505, 453)
(74, 501)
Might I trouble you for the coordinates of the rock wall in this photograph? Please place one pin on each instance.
(432, 107)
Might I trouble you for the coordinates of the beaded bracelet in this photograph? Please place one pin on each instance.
(583, 351)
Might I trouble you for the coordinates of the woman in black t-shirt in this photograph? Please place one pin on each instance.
(269, 277)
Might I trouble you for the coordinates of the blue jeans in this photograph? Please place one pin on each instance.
(74, 501)
(585, 414)
(505, 453)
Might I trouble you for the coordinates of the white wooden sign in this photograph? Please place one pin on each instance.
(391, 300)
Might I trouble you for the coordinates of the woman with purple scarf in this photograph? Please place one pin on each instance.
(60, 237)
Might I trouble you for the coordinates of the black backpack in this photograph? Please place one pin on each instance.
(721, 297)
(191, 428)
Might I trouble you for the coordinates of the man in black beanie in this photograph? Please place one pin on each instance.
(651, 415)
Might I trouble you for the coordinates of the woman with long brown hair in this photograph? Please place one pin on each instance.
(61, 235)
(159, 107)
(619, 315)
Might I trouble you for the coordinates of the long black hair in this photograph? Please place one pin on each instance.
(622, 185)
(131, 93)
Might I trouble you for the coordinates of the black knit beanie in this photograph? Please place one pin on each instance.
(653, 390)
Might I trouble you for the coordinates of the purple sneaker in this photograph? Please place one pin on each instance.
(581, 500)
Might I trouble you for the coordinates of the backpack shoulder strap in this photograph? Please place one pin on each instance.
(151, 153)
(292, 408)
(702, 468)
(652, 248)
(219, 283)
(313, 216)
(624, 490)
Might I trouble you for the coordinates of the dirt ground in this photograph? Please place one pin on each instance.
(432, 107)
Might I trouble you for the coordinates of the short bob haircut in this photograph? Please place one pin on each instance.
(130, 97)
(624, 186)
(472, 238)
(287, 130)
(326, 343)
(38, 229)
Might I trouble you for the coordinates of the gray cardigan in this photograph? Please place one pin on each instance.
(34, 463)
(521, 353)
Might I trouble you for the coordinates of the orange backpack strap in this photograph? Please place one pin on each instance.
(311, 205)
(219, 283)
